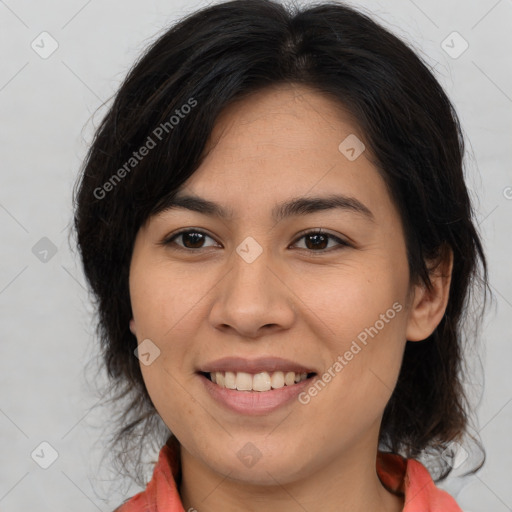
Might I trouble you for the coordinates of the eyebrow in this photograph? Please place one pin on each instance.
(295, 206)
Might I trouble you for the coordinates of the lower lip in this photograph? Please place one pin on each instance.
(254, 403)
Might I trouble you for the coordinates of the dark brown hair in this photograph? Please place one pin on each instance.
(225, 52)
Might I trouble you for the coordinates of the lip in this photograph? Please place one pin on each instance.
(253, 366)
(254, 403)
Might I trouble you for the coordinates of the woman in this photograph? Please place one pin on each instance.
(274, 221)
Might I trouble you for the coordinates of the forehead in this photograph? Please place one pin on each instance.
(284, 142)
(283, 116)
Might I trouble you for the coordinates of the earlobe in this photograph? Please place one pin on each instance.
(132, 327)
(428, 306)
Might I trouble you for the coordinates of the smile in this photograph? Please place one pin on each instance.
(263, 381)
(252, 402)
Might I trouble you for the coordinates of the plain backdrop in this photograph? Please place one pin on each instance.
(47, 103)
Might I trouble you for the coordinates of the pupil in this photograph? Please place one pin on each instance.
(196, 236)
(316, 244)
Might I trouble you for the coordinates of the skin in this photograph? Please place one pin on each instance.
(294, 301)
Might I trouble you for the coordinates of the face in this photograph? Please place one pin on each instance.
(257, 294)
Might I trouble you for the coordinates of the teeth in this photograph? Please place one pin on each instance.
(264, 381)
(277, 380)
(289, 378)
(261, 382)
(243, 381)
(230, 380)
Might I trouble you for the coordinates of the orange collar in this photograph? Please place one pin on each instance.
(406, 477)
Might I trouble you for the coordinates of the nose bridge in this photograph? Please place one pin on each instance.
(252, 296)
(251, 262)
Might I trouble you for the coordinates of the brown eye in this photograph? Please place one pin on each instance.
(317, 241)
(190, 239)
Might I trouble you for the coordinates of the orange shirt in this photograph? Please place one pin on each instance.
(405, 476)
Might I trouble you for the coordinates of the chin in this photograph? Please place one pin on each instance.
(263, 467)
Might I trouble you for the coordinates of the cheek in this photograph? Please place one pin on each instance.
(363, 321)
(163, 300)
(346, 299)
(166, 306)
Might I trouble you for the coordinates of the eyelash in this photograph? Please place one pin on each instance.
(169, 241)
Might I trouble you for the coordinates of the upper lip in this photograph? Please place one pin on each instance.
(258, 365)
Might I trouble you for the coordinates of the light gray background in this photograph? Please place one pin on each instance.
(47, 333)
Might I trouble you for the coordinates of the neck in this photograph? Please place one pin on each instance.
(346, 484)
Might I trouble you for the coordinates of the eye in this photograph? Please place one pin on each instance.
(190, 238)
(315, 240)
(318, 240)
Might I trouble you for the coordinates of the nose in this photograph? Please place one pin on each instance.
(253, 299)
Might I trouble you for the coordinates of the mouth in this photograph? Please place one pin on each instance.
(256, 382)
(254, 386)
(255, 394)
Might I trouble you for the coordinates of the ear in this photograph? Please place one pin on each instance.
(132, 327)
(428, 306)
